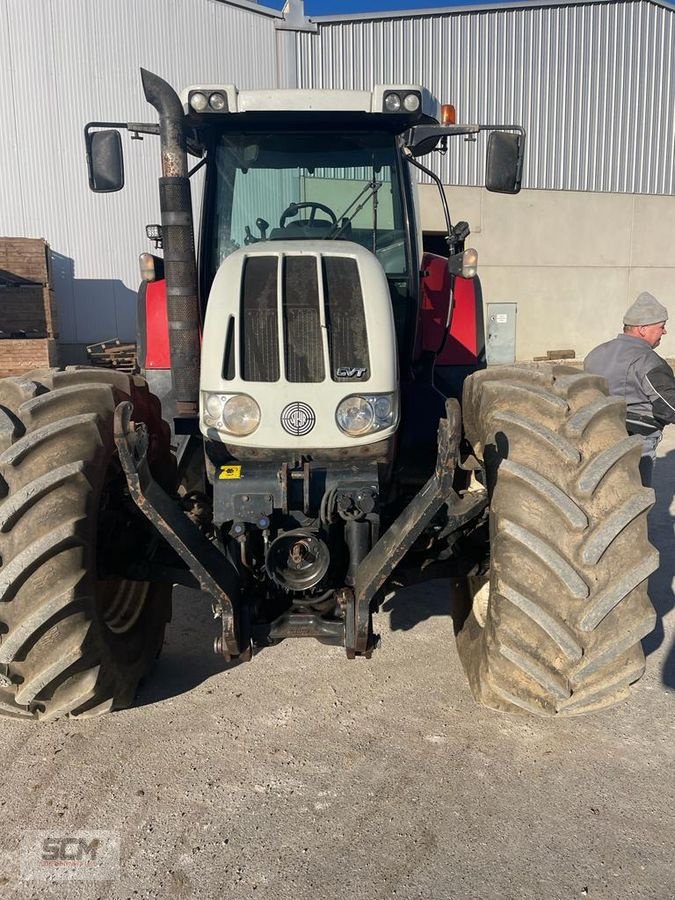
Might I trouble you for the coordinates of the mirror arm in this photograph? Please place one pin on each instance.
(444, 200)
(517, 128)
(142, 128)
(135, 127)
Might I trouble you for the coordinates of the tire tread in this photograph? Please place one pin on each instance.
(568, 605)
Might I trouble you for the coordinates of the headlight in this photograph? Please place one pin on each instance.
(355, 415)
(358, 415)
(218, 102)
(241, 415)
(237, 414)
(399, 102)
(198, 101)
(213, 407)
(411, 102)
(392, 102)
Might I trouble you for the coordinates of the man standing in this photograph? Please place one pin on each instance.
(639, 375)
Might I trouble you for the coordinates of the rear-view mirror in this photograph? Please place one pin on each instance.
(504, 167)
(105, 161)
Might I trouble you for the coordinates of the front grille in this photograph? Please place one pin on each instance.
(303, 350)
(345, 318)
(259, 342)
(304, 354)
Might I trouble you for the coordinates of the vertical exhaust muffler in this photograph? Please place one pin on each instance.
(180, 266)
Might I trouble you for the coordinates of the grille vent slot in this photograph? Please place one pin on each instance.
(303, 347)
(345, 317)
(301, 337)
(259, 320)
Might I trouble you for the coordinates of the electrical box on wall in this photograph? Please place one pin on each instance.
(500, 338)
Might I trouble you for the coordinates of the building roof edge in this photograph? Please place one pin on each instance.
(488, 6)
(254, 8)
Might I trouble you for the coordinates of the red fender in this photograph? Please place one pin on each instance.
(435, 299)
(464, 344)
(157, 354)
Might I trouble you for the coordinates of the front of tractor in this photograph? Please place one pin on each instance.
(315, 404)
(309, 359)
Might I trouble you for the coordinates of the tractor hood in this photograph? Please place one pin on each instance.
(299, 348)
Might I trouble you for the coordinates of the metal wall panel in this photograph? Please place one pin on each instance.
(66, 62)
(593, 84)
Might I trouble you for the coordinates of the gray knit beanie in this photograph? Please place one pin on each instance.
(645, 311)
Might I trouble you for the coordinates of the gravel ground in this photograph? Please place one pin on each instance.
(302, 775)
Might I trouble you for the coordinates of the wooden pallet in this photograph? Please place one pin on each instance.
(26, 296)
(27, 258)
(113, 354)
(555, 354)
(29, 308)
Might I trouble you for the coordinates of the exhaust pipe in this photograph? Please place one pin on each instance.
(180, 267)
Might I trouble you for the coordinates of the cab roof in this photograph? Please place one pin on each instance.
(315, 103)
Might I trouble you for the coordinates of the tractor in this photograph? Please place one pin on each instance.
(313, 418)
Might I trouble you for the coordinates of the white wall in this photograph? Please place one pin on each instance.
(64, 63)
(572, 261)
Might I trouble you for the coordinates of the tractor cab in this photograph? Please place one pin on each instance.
(313, 286)
(303, 183)
(333, 166)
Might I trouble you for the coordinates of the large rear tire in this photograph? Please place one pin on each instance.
(74, 640)
(567, 603)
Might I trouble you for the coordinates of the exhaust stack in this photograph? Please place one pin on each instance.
(180, 266)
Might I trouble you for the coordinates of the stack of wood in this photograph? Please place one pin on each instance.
(28, 326)
(555, 354)
(113, 354)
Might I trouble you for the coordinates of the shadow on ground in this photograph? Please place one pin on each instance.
(408, 605)
(187, 658)
(662, 535)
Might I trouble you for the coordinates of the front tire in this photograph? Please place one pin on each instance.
(77, 637)
(567, 603)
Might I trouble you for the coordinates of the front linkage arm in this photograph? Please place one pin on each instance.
(381, 561)
(213, 571)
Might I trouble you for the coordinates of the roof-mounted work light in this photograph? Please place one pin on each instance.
(401, 102)
(203, 102)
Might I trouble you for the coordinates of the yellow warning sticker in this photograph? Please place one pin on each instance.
(229, 472)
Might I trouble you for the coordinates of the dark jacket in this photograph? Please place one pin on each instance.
(638, 374)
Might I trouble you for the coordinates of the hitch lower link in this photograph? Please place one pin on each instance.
(212, 570)
(359, 637)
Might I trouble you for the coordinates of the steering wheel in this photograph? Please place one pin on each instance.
(294, 208)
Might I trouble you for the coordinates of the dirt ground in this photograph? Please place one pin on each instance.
(302, 775)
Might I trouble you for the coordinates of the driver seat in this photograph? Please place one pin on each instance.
(302, 230)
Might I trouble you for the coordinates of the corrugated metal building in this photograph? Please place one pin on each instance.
(592, 82)
(67, 62)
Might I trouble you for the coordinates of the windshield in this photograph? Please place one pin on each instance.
(307, 185)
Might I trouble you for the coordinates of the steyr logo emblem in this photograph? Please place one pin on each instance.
(351, 372)
(298, 418)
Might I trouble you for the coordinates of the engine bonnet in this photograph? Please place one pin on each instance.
(299, 326)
